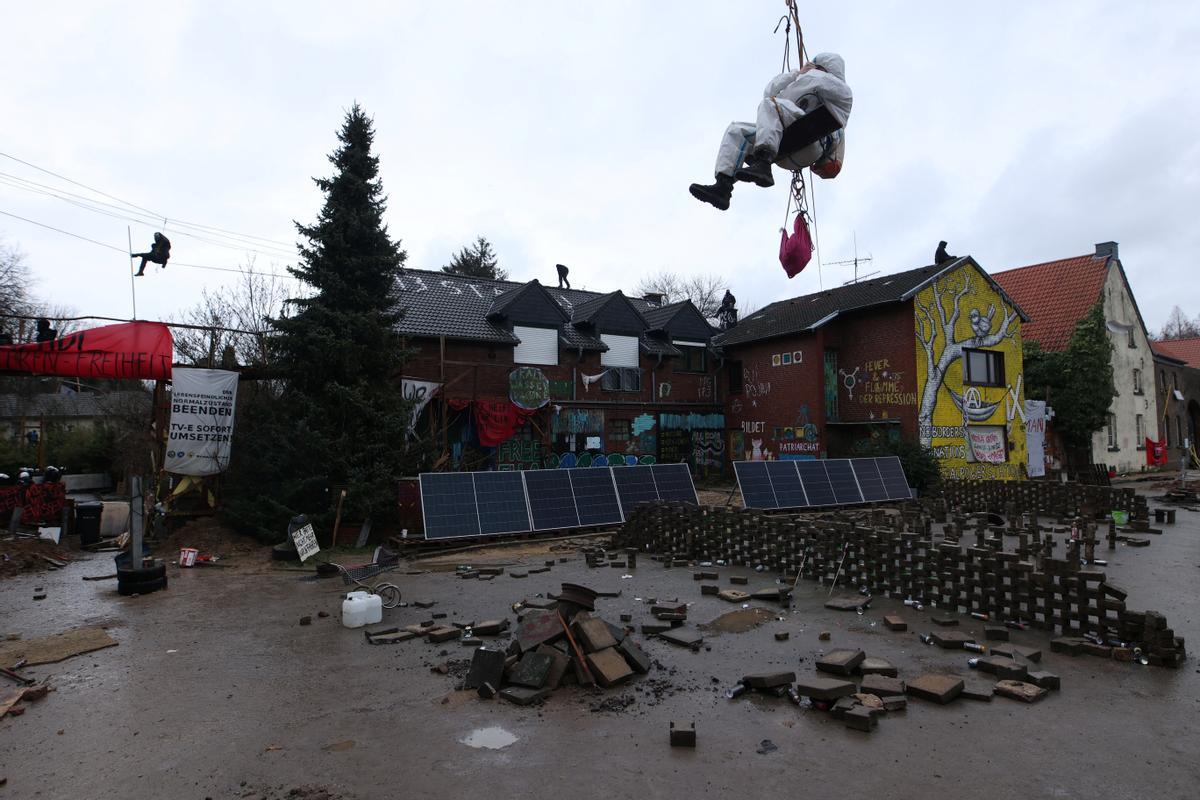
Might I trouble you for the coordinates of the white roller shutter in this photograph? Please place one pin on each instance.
(622, 351)
(538, 346)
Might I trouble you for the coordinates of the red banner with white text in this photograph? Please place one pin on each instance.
(131, 350)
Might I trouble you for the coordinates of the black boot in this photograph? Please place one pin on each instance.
(717, 194)
(756, 171)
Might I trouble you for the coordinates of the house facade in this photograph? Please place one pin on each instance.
(1056, 295)
(1177, 364)
(931, 354)
(527, 376)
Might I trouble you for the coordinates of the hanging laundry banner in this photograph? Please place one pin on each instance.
(1035, 437)
(200, 438)
(419, 393)
(131, 350)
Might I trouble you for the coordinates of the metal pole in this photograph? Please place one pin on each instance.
(135, 521)
(132, 283)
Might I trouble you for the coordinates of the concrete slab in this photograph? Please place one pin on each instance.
(487, 666)
(826, 689)
(523, 695)
(894, 622)
(840, 662)
(1003, 668)
(936, 687)
(635, 656)
(882, 685)
(860, 718)
(1046, 680)
(995, 633)
(951, 640)
(532, 670)
(848, 603)
(944, 620)
(978, 690)
(609, 667)
(733, 595)
(560, 663)
(593, 634)
(872, 665)
(1019, 690)
(769, 680)
(684, 637)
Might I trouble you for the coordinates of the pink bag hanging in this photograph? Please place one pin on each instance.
(795, 251)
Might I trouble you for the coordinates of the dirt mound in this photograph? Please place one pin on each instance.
(740, 621)
(210, 537)
(29, 555)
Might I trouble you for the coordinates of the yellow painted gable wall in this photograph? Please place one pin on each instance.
(961, 310)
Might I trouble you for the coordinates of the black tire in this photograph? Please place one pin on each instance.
(141, 575)
(284, 552)
(141, 587)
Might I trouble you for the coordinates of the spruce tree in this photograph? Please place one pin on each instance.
(478, 261)
(339, 351)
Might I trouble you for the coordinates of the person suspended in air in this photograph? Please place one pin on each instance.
(748, 149)
(159, 253)
(562, 275)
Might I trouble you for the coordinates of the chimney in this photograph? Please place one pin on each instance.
(1106, 250)
(653, 298)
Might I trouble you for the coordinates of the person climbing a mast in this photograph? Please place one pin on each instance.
(748, 150)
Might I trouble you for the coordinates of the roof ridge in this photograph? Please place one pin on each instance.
(1092, 256)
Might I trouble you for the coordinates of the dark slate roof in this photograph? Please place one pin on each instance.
(657, 318)
(681, 320)
(658, 346)
(458, 307)
(811, 311)
(70, 404)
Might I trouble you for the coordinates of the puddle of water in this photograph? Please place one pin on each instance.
(489, 738)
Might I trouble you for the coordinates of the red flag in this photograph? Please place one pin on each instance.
(1156, 453)
(133, 350)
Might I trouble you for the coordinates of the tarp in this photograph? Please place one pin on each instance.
(130, 350)
(201, 434)
(498, 420)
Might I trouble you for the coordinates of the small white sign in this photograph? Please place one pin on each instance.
(593, 443)
(305, 540)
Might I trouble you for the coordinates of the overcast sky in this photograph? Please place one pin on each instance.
(568, 132)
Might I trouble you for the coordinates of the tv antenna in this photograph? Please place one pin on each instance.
(855, 261)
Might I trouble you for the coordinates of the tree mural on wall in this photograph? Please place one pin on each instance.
(936, 332)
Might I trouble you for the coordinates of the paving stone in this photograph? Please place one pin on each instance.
(627, 618)
(1002, 668)
(393, 638)
(487, 577)
(838, 710)
(515, 574)
(769, 680)
(860, 718)
(1031, 653)
(872, 665)
(491, 570)
(894, 704)
(650, 628)
(772, 594)
(685, 637)
(1093, 649)
(486, 690)
(895, 623)
(424, 603)
(418, 630)
(978, 690)
(882, 685)
(490, 627)
(1046, 680)
(840, 662)
(683, 734)
(538, 626)
(559, 665)
(638, 661)
(825, 689)
(739, 580)
(538, 570)
(616, 631)
(1067, 645)
(710, 576)
(1019, 690)
(782, 636)
(523, 695)
(609, 667)
(532, 670)
(439, 615)
(592, 634)
(710, 589)
(471, 641)
(995, 633)
(873, 702)
(943, 620)
(462, 626)
(938, 688)
(539, 602)
(851, 603)
(670, 616)
(446, 633)
(679, 608)
(733, 595)
(487, 666)
(950, 640)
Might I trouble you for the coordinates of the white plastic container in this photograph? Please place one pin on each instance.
(361, 608)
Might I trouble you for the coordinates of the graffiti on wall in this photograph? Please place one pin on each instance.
(643, 437)
(968, 425)
(560, 390)
(799, 441)
(520, 452)
(748, 447)
(696, 439)
(572, 460)
(528, 387)
(879, 385)
(585, 421)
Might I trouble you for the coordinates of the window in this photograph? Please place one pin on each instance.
(1112, 431)
(1130, 339)
(1167, 430)
(619, 430)
(983, 367)
(1140, 424)
(1137, 381)
(694, 359)
(1179, 424)
(538, 346)
(1162, 380)
(622, 351)
(622, 379)
(735, 377)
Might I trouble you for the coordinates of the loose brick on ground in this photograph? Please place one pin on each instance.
(895, 623)
(872, 665)
(938, 688)
(882, 685)
(1019, 690)
(609, 667)
(840, 662)
(826, 689)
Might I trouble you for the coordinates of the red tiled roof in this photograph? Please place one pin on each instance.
(1184, 349)
(1055, 295)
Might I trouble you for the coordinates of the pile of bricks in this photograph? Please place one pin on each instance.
(897, 556)
(1057, 499)
(556, 643)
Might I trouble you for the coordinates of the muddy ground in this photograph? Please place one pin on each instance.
(216, 691)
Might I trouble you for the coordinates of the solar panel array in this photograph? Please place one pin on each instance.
(459, 504)
(820, 482)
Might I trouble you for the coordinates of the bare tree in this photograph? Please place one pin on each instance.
(705, 291)
(14, 282)
(235, 320)
(937, 362)
(1178, 326)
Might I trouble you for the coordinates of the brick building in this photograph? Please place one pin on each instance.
(1057, 294)
(523, 375)
(1177, 364)
(932, 354)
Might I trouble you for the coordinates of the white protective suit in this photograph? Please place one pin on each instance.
(788, 97)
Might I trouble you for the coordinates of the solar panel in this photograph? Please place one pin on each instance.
(595, 496)
(448, 504)
(755, 485)
(500, 498)
(841, 478)
(634, 485)
(816, 482)
(785, 481)
(894, 482)
(674, 482)
(551, 501)
(868, 479)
